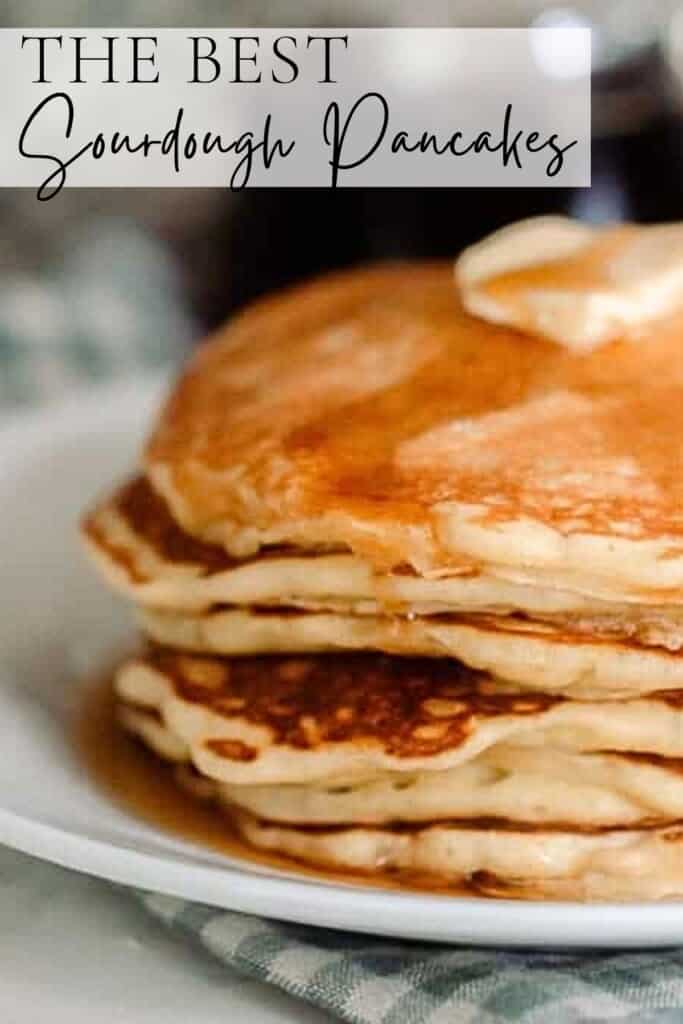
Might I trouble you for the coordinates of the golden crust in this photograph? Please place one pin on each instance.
(138, 504)
(368, 410)
(141, 551)
(412, 707)
(619, 865)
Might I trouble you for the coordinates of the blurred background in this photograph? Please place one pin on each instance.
(95, 281)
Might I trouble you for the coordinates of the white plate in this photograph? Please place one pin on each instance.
(57, 623)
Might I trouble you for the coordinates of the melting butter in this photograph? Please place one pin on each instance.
(574, 284)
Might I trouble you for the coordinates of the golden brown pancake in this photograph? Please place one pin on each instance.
(146, 515)
(293, 718)
(369, 411)
(399, 767)
(506, 784)
(142, 551)
(276, 720)
(610, 865)
(528, 655)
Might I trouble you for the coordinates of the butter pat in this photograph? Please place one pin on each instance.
(574, 284)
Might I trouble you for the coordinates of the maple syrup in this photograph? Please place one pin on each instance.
(142, 784)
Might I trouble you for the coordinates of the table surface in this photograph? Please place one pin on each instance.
(75, 949)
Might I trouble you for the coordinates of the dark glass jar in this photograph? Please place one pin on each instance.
(265, 238)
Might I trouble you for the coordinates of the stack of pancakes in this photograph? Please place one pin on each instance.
(411, 580)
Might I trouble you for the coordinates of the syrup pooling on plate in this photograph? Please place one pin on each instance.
(148, 788)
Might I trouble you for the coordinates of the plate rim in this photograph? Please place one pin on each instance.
(410, 915)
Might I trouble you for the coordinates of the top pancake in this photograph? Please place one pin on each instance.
(368, 411)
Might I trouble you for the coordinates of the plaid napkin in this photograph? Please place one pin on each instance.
(367, 981)
(109, 308)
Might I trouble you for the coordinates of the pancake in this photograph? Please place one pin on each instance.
(529, 655)
(149, 726)
(569, 823)
(614, 865)
(504, 784)
(369, 412)
(143, 553)
(346, 718)
(535, 860)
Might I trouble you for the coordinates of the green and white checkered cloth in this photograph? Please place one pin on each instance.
(108, 309)
(383, 981)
